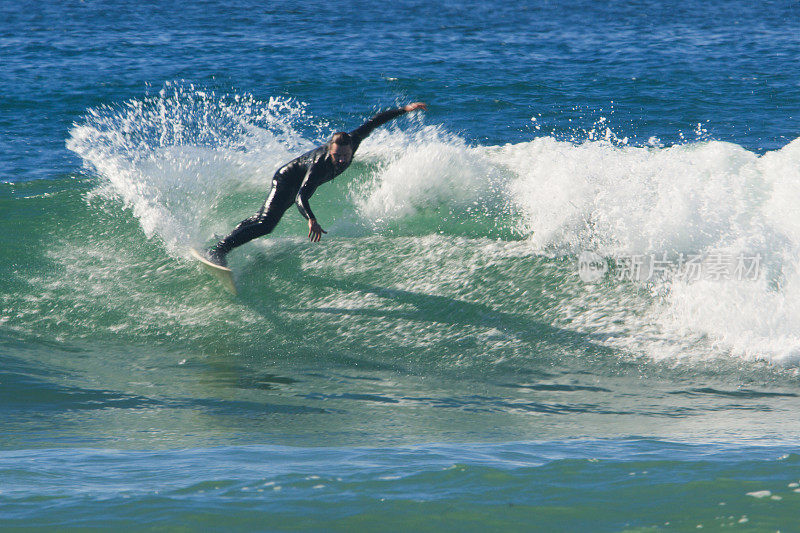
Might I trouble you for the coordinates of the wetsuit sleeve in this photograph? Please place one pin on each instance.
(361, 133)
(306, 190)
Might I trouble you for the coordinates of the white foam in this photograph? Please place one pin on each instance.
(698, 198)
(174, 158)
(426, 176)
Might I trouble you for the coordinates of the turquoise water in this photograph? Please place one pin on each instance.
(439, 361)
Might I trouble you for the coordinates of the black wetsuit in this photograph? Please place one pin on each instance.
(295, 182)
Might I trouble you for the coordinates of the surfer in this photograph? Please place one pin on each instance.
(297, 180)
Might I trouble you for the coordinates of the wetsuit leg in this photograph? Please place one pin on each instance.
(279, 200)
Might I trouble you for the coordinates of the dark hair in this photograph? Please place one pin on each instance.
(342, 138)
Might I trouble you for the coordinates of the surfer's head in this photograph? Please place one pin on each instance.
(340, 148)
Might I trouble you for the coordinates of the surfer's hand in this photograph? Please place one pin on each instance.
(315, 231)
(416, 105)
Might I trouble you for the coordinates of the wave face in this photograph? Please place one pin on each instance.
(438, 217)
(562, 298)
(449, 296)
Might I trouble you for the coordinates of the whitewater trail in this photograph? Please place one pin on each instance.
(184, 160)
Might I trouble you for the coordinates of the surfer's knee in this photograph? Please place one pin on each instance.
(267, 223)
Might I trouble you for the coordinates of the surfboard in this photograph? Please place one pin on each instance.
(223, 274)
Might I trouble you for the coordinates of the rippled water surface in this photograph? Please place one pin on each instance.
(438, 361)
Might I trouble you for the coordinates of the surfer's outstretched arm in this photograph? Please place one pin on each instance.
(361, 132)
(314, 168)
(336, 157)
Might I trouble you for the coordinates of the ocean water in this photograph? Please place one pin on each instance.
(565, 298)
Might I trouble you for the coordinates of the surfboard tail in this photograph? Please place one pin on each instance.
(223, 274)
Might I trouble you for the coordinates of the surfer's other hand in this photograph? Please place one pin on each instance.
(416, 105)
(315, 231)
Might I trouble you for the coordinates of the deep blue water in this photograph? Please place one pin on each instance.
(657, 69)
(436, 363)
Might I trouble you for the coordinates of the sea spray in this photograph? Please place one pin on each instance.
(173, 157)
(190, 163)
